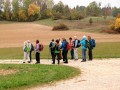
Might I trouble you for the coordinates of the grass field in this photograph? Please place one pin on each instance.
(47, 22)
(32, 75)
(102, 50)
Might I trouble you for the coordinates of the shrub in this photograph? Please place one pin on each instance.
(117, 24)
(60, 27)
(118, 16)
(90, 21)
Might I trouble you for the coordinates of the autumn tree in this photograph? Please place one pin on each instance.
(33, 12)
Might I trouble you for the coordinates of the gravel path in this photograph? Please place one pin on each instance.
(96, 75)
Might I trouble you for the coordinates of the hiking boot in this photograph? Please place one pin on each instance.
(76, 59)
(37, 63)
(83, 60)
(29, 61)
(65, 62)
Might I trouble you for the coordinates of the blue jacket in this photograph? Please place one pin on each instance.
(64, 45)
(82, 42)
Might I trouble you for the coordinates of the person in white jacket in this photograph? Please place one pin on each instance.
(26, 49)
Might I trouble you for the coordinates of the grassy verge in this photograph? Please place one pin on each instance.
(102, 50)
(47, 22)
(7, 22)
(32, 75)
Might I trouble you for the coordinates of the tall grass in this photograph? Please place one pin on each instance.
(32, 75)
(102, 50)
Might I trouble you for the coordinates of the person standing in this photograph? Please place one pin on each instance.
(52, 48)
(26, 49)
(37, 50)
(31, 50)
(57, 52)
(83, 42)
(64, 50)
(90, 48)
(72, 48)
(76, 47)
(60, 42)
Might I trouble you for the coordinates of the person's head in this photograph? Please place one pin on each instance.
(64, 39)
(28, 41)
(84, 37)
(75, 37)
(89, 37)
(57, 41)
(37, 41)
(70, 39)
(52, 40)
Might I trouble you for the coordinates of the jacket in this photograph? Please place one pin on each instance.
(64, 45)
(83, 43)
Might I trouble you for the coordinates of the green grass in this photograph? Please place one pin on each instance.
(102, 50)
(98, 19)
(31, 75)
(47, 22)
(6, 22)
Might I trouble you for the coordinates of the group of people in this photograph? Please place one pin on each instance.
(28, 48)
(60, 49)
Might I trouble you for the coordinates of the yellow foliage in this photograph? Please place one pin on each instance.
(33, 9)
(117, 24)
(21, 15)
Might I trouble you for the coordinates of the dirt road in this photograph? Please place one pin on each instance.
(96, 75)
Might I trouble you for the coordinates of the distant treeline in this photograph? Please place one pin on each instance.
(31, 10)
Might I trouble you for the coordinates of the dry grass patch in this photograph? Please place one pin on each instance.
(4, 72)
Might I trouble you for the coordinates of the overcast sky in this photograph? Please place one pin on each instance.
(73, 3)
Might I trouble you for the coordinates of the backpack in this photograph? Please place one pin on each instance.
(57, 49)
(41, 47)
(52, 45)
(86, 44)
(78, 44)
(93, 43)
(27, 48)
(32, 47)
(68, 46)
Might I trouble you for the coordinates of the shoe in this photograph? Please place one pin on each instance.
(37, 63)
(65, 62)
(23, 62)
(29, 61)
(83, 61)
(76, 59)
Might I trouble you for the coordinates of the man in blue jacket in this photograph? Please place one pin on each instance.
(64, 50)
(83, 43)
